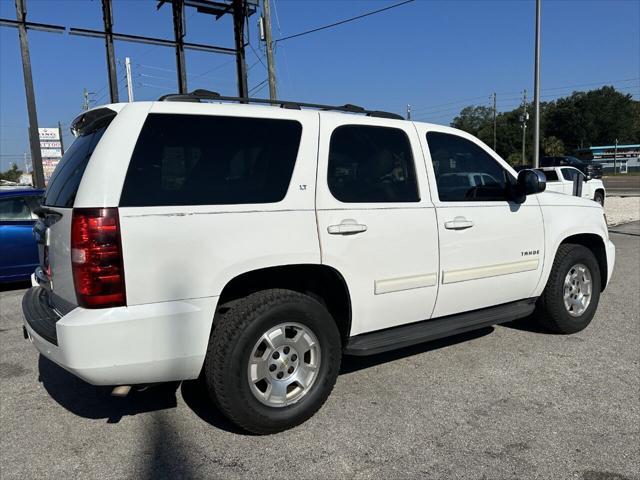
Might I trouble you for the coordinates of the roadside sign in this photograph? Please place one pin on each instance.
(49, 133)
(50, 150)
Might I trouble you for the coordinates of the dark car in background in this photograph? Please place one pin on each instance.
(18, 248)
(590, 169)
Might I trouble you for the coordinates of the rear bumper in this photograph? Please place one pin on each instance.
(126, 345)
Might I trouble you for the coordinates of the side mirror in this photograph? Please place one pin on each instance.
(530, 182)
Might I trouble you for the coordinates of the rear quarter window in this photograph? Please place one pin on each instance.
(64, 183)
(211, 160)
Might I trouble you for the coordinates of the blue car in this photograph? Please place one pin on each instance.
(18, 249)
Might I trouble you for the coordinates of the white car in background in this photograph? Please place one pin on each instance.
(562, 179)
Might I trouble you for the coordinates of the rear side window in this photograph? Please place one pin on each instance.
(211, 160)
(64, 183)
(371, 164)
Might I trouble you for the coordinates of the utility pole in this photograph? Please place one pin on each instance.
(495, 113)
(536, 93)
(239, 16)
(523, 119)
(60, 135)
(107, 17)
(127, 69)
(179, 33)
(34, 137)
(408, 112)
(271, 61)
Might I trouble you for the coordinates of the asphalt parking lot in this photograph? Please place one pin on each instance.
(501, 403)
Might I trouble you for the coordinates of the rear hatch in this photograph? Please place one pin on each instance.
(53, 229)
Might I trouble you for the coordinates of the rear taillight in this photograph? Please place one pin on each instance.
(96, 258)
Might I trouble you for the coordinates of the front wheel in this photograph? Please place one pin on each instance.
(273, 360)
(571, 296)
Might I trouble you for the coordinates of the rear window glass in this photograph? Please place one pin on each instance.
(64, 183)
(211, 160)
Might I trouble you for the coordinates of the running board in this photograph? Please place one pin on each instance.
(418, 332)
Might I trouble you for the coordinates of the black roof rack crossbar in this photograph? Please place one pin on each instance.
(200, 94)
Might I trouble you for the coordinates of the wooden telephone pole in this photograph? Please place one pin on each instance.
(271, 65)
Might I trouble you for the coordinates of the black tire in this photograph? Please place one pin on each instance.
(599, 197)
(236, 332)
(551, 312)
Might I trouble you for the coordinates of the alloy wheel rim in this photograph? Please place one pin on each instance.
(283, 364)
(578, 287)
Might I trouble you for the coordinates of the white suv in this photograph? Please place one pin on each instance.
(252, 246)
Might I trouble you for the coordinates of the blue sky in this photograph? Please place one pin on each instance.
(435, 55)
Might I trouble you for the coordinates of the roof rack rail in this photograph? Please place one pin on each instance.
(200, 95)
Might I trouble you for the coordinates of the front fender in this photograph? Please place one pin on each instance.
(564, 221)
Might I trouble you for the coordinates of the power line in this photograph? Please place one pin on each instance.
(448, 103)
(341, 22)
(502, 98)
(258, 85)
(257, 56)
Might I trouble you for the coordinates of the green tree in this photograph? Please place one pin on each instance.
(11, 175)
(596, 117)
(476, 120)
(552, 146)
(514, 159)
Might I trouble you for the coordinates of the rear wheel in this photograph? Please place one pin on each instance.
(599, 197)
(570, 299)
(273, 360)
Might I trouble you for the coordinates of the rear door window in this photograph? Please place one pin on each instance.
(211, 160)
(371, 164)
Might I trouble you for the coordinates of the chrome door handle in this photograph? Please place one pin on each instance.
(458, 223)
(346, 227)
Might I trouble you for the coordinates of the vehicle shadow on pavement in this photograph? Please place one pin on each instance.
(197, 398)
(89, 401)
(352, 364)
(526, 324)
(96, 402)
